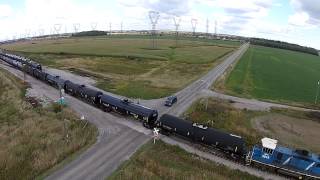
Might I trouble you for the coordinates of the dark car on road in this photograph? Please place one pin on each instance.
(171, 100)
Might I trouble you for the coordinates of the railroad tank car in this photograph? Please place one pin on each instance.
(12, 62)
(90, 95)
(72, 88)
(7, 60)
(109, 103)
(172, 124)
(23, 60)
(55, 81)
(40, 74)
(297, 163)
(29, 70)
(229, 143)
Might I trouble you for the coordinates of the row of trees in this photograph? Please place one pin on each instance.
(90, 33)
(283, 45)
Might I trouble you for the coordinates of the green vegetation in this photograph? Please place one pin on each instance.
(34, 140)
(283, 45)
(162, 161)
(290, 127)
(221, 115)
(126, 65)
(275, 74)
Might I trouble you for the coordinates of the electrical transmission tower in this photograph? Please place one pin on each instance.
(57, 28)
(94, 26)
(207, 28)
(41, 32)
(110, 28)
(194, 26)
(76, 27)
(177, 21)
(121, 28)
(154, 17)
(215, 28)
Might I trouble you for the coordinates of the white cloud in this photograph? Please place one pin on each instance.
(299, 19)
(5, 10)
(307, 11)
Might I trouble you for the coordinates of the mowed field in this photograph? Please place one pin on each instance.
(128, 66)
(163, 161)
(34, 140)
(291, 128)
(275, 74)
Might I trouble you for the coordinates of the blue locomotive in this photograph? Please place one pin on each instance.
(297, 163)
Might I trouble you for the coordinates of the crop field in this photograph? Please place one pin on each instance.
(276, 75)
(163, 161)
(128, 66)
(291, 128)
(33, 140)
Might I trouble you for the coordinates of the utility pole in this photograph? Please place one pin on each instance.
(317, 92)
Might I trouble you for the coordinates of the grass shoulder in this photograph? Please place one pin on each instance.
(163, 161)
(34, 140)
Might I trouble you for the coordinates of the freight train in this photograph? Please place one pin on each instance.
(267, 154)
(95, 97)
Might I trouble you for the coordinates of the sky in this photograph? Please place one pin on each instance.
(294, 21)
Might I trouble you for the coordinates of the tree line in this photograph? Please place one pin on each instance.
(90, 33)
(283, 45)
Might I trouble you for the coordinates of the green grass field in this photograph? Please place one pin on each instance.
(163, 161)
(275, 74)
(33, 140)
(126, 65)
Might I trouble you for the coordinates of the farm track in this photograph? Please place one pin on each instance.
(120, 137)
(251, 103)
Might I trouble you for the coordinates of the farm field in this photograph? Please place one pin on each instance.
(33, 139)
(276, 75)
(127, 66)
(163, 161)
(291, 128)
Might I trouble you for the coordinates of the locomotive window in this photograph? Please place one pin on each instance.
(267, 150)
(318, 165)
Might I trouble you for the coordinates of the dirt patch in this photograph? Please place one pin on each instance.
(36, 99)
(293, 132)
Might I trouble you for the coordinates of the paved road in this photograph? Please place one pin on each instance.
(119, 138)
(191, 93)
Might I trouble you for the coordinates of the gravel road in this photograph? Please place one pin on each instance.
(251, 104)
